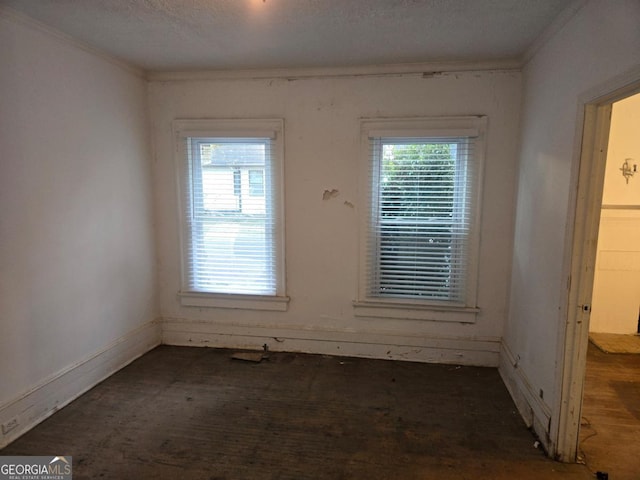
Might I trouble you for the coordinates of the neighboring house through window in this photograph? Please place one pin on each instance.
(232, 213)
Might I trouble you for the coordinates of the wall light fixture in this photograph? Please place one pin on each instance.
(628, 170)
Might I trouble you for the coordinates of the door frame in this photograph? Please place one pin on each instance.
(587, 188)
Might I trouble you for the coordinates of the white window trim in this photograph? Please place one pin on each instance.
(407, 308)
(234, 301)
(272, 128)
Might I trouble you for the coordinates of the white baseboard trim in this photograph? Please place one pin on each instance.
(535, 412)
(23, 413)
(382, 345)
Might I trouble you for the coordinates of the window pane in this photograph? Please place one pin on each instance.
(417, 180)
(232, 247)
(256, 183)
(419, 194)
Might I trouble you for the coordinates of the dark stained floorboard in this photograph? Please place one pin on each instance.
(194, 413)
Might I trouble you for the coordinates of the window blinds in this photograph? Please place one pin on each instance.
(230, 238)
(421, 217)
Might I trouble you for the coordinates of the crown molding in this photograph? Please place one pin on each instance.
(11, 15)
(402, 69)
(552, 29)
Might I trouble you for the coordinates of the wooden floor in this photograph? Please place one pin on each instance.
(194, 413)
(610, 427)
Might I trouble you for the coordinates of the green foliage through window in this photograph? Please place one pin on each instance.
(417, 180)
(420, 204)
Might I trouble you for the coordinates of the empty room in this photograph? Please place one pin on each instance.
(315, 239)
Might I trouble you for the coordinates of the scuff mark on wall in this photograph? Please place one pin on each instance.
(329, 194)
(349, 204)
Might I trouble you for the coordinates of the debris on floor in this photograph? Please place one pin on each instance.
(256, 357)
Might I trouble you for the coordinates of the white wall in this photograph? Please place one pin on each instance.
(624, 142)
(322, 153)
(616, 284)
(77, 256)
(599, 43)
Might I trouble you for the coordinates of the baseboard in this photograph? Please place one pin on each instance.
(25, 412)
(418, 348)
(535, 412)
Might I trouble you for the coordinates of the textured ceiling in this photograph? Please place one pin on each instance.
(240, 34)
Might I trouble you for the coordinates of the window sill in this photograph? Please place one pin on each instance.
(413, 311)
(243, 302)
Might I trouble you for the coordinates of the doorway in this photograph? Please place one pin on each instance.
(604, 224)
(615, 309)
(610, 417)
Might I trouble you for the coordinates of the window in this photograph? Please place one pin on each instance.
(256, 183)
(420, 234)
(232, 214)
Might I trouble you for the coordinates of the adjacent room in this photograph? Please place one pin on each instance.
(611, 411)
(377, 207)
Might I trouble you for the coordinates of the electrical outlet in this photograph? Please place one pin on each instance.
(10, 425)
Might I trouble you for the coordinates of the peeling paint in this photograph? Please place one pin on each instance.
(431, 74)
(329, 194)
